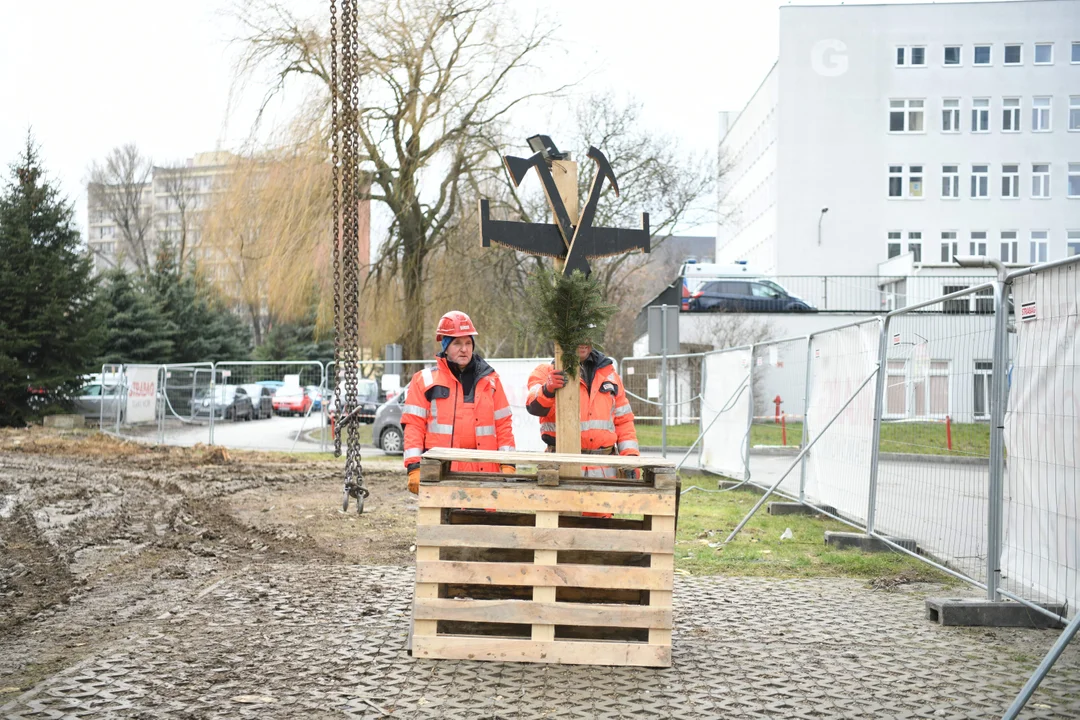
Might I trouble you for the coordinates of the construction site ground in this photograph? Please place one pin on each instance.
(139, 581)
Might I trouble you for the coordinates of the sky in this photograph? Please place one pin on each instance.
(85, 77)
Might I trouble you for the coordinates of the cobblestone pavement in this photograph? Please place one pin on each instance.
(316, 642)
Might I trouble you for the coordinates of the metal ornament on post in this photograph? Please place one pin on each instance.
(345, 169)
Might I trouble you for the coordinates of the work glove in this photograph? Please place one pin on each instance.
(414, 481)
(555, 381)
(509, 469)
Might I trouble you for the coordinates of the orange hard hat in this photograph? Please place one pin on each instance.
(454, 324)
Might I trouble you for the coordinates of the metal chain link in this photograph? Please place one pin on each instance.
(347, 195)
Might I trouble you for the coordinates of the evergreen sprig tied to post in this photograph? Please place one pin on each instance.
(568, 309)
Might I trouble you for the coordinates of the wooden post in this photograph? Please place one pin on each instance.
(567, 410)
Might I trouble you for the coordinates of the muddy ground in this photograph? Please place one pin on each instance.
(99, 535)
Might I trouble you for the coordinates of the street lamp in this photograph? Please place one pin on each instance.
(819, 219)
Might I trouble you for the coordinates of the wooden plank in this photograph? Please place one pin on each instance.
(545, 538)
(665, 561)
(551, 613)
(638, 501)
(664, 480)
(590, 576)
(545, 521)
(533, 458)
(430, 470)
(451, 647)
(426, 517)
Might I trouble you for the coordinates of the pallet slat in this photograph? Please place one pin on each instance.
(531, 458)
(498, 496)
(534, 538)
(550, 613)
(589, 576)
(569, 652)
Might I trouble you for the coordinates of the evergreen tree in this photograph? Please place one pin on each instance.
(295, 341)
(205, 328)
(137, 329)
(50, 321)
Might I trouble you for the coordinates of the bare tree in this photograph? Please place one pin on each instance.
(179, 219)
(120, 186)
(434, 91)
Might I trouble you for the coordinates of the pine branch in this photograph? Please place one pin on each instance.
(567, 309)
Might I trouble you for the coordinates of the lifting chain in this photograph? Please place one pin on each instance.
(344, 103)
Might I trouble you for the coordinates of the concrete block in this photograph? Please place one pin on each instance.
(64, 422)
(794, 508)
(980, 612)
(867, 543)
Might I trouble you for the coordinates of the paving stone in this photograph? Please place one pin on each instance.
(330, 643)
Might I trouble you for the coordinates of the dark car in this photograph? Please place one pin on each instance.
(739, 295)
(386, 432)
(262, 399)
(230, 403)
(367, 395)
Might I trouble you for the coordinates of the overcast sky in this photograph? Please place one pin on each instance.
(88, 76)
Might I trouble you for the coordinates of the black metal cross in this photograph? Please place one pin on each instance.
(570, 242)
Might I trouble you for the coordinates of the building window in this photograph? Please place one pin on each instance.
(1010, 181)
(950, 115)
(1040, 180)
(917, 387)
(1010, 115)
(983, 373)
(980, 181)
(914, 245)
(1008, 246)
(905, 116)
(1044, 53)
(949, 246)
(1039, 246)
(1072, 245)
(1076, 52)
(950, 181)
(956, 306)
(952, 54)
(977, 246)
(980, 115)
(1074, 112)
(896, 181)
(1074, 180)
(1040, 114)
(913, 188)
(982, 55)
(1013, 54)
(911, 56)
(915, 181)
(894, 243)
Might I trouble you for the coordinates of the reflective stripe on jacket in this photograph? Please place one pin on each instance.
(435, 415)
(606, 417)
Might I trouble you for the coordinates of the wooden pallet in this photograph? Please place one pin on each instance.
(535, 581)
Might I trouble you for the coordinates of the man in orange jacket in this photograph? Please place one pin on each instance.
(458, 404)
(607, 422)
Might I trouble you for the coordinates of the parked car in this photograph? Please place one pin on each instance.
(230, 403)
(93, 396)
(274, 385)
(262, 399)
(367, 395)
(386, 431)
(739, 295)
(292, 400)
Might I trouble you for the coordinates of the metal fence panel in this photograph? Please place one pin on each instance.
(238, 415)
(837, 468)
(1041, 547)
(726, 404)
(184, 387)
(779, 371)
(932, 478)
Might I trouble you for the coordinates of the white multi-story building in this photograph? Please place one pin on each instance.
(905, 134)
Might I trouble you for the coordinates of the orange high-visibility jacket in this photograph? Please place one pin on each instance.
(436, 414)
(606, 417)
